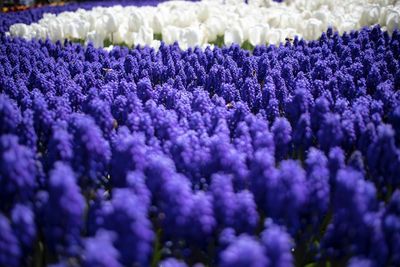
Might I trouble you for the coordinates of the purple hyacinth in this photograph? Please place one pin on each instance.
(282, 136)
(171, 262)
(91, 151)
(224, 199)
(17, 172)
(317, 182)
(10, 115)
(391, 227)
(287, 194)
(128, 153)
(202, 221)
(60, 145)
(10, 251)
(24, 226)
(244, 251)
(207, 142)
(63, 211)
(99, 250)
(383, 157)
(125, 215)
(330, 134)
(355, 228)
(278, 245)
(246, 216)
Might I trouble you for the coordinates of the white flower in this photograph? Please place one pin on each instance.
(155, 44)
(136, 20)
(273, 36)
(144, 36)
(197, 23)
(97, 38)
(370, 15)
(258, 34)
(233, 35)
(192, 36)
(19, 29)
(56, 31)
(346, 26)
(109, 48)
(158, 23)
(215, 26)
(110, 23)
(171, 34)
(313, 29)
(120, 36)
(392, 21)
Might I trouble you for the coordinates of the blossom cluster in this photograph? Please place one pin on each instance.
(285, 156)
(210, 21)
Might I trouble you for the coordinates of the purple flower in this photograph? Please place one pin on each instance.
(246, 216)
(282, 136)
(99, 250)
(10, 115)
(330, 134)
(17, 172)
(317, 183)
(10, 251)
(244, 251)
(383, 157)
(391, 227)
(23, 223)
(91, 151)
(127, 217)
(128, 153)
(171, 262)
(202, 221)
(63, 211)
(278, 245)
(361, 262)
(287, 194)
(224, 199)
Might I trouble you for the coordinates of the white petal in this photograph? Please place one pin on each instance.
(233, 35)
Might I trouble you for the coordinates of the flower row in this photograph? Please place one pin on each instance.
(289, 154)
(209, 22)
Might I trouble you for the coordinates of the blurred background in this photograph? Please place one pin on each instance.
(27, 3)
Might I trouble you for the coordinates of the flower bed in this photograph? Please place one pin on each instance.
(210, 22)
(285, 155)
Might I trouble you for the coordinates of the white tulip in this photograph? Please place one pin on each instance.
(97, 38)
(171, 34)
(120, 35)
(233, 35)
(18, 29)
(346, 26)
(109, 48)
(158, 23)
(196, 23)
(145, 36)
(136, 20)
(192, 36)
(257, 35)
(370, 15)
(313, 29)
(392, 21)
(203, 13)
(110, 23)
(56, 31)
(155, 44)
(273, 36)
(215, 27)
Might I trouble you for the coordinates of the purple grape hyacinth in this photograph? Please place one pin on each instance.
(284, 155)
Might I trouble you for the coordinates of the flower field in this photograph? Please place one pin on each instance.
(207, 133)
